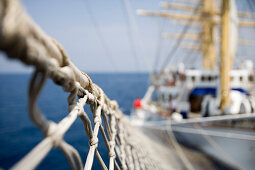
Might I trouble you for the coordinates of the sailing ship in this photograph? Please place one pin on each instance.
(204, 108)
(210, 108)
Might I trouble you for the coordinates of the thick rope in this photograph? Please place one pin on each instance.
(22, 39)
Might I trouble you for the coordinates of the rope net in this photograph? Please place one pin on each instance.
(22, 39)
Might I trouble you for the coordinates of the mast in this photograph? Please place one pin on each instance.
(206, 15)
(226, 58)
(208, 49)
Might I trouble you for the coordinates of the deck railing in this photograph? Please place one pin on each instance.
(22, 39)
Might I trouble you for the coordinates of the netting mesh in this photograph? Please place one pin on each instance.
(22, 39)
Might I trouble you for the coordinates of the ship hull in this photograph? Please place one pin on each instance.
(227, 139)
(237, 150)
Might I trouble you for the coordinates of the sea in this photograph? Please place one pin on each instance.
(18, 135)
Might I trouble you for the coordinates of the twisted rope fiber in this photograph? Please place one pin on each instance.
(22, 39)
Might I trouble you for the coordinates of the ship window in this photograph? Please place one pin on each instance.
(161, 97)
(170, 97)
(203, 78)
(250, 78)
(241, 78)
(193, 78)
(209, 78)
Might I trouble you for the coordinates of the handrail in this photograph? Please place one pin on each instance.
(22, 39)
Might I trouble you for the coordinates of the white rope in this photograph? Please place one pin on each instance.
(216, 146)
(216, 133)
(178, 149)
(191, 130)
(136, 33)
(100, 36)
(22, 39)
(248, 116)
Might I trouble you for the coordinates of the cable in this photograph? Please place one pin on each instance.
(130, 35)
(162, 24)
(136, 31)
(159, 45)
(251, 7)
(177, 44)
(178, 149)
(100, 36)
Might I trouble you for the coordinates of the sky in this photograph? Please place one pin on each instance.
(98, 35)
(71, 24)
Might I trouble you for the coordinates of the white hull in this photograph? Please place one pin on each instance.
(228, 139)
(239, 153)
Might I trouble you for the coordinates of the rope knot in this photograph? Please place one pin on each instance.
(112, 154)
(114, 130)
(57, 139)
(52, 126)
(97, 119)
(71, 107)
(112, 145)
(93, 141)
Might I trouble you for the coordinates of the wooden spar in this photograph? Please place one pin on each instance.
(191, 47)
(197, 2)
(166, 14)
(216, 20)
(207, 17)
(244, 14)
(179, 6)
(245, 42)
(226, 60)
(246, 23)
(196, 36)
(187, 23)
(208, 25)
(189, 8)
(193, 36)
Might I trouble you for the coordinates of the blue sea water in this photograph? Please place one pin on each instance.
(18, 135)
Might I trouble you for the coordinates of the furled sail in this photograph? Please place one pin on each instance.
(233, 31)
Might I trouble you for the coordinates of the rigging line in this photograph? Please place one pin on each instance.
(159, 44)
(178, 42)
(212, 133)
(250, 4)
(162, 23)
(174, 49)
(216, 146)
(136, 31)
(190, 55)
(173, 54)
(130, 36)
(193, 51)
(167, 24)
(100, 36)
(178, 149)
(251, 7)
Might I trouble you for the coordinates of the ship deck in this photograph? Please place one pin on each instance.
(163, 150)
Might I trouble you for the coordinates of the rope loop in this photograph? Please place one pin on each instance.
(97, 119)
(93, 141)
(112, 153)
(22, 39)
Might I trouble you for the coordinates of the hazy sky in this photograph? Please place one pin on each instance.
(70, 23)
(80, 26)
